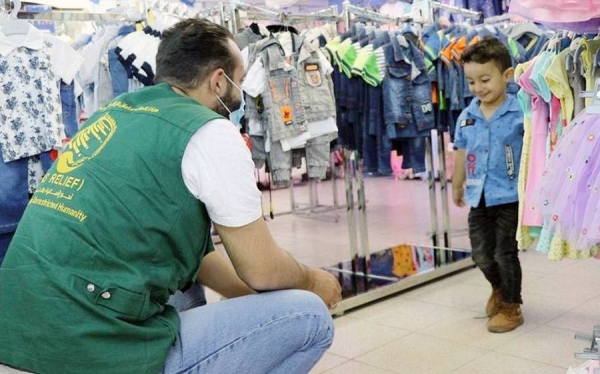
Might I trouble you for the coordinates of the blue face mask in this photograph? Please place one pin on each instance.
(236, 115)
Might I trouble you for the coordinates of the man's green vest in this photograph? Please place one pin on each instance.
(111, 232)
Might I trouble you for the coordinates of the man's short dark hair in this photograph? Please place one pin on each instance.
(192, 49)
(488, 49)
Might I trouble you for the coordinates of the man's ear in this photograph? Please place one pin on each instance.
(217, 82)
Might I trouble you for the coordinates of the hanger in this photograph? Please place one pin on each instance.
(525, 28)
(12, 25)
(596, 64)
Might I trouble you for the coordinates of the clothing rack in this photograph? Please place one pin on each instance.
(592, 352)
(456, 10)
(129, 15)
(501, 19)
(256, 13)
(444, 190)
(373, 16)
(365, 14)
(80, 16)
(312, 210)
(182, 11)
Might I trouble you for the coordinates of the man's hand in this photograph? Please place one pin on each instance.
(326, 286)
(457, 196)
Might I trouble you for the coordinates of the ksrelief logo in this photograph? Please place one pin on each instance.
(87, 144)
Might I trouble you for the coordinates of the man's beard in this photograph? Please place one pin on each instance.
(232, 103)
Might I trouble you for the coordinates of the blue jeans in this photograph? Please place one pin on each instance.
(118, 74)
(67, 98)
(272, 332)
(14, 196)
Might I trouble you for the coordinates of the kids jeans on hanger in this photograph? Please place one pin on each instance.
(69, 109)
(14, 196)
(317, 160)
(283, 332)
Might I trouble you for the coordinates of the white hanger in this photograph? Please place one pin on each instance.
(14, 26)
(16, 9)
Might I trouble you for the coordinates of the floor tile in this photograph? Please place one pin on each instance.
(470, 328)
(539, 263)
(328, 361)
(355, 337)
(353, 367)
(417, 353)
(581, 318)
(565, 287)
(456, 295)
(547, 345)
(542, 309)
(497, 363)
(404, 313)
(588, 267)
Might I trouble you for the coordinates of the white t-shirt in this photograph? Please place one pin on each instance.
(217, 169)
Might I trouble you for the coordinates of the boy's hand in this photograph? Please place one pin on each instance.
(457, 196)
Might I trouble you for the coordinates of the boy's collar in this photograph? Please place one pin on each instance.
(510, 104)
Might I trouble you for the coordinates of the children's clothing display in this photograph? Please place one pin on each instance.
(290, 104)
(570, 207)
(36, 113)
(550, 96)
(384, 96)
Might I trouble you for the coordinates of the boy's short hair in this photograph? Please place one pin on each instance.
(488, 49)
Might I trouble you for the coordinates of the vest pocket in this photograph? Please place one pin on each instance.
(129, 305)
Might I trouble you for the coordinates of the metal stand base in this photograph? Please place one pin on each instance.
(398, 285)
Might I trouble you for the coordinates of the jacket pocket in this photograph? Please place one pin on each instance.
(399, 72)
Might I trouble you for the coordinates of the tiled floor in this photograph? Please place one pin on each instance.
(439, 328)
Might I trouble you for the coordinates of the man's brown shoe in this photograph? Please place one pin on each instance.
(509, 317)
(493, 303)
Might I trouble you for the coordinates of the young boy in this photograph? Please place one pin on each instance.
(488, 143)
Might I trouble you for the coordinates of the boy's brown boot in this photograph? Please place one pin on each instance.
(493, 303)
(509, 317)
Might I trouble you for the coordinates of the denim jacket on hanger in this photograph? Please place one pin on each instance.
(316, 86)
(407, 96)
(282, 98)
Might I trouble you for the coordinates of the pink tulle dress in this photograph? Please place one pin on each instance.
(569, 191)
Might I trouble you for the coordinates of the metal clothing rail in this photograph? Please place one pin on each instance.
(503, 18)
(256, 13)
(182, 11)
(129, 15)
(456, 10)
(370, 15)
(81, 16)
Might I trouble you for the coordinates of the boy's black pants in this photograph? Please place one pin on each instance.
(492, 231)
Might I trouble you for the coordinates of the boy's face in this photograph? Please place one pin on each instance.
(487, 82)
